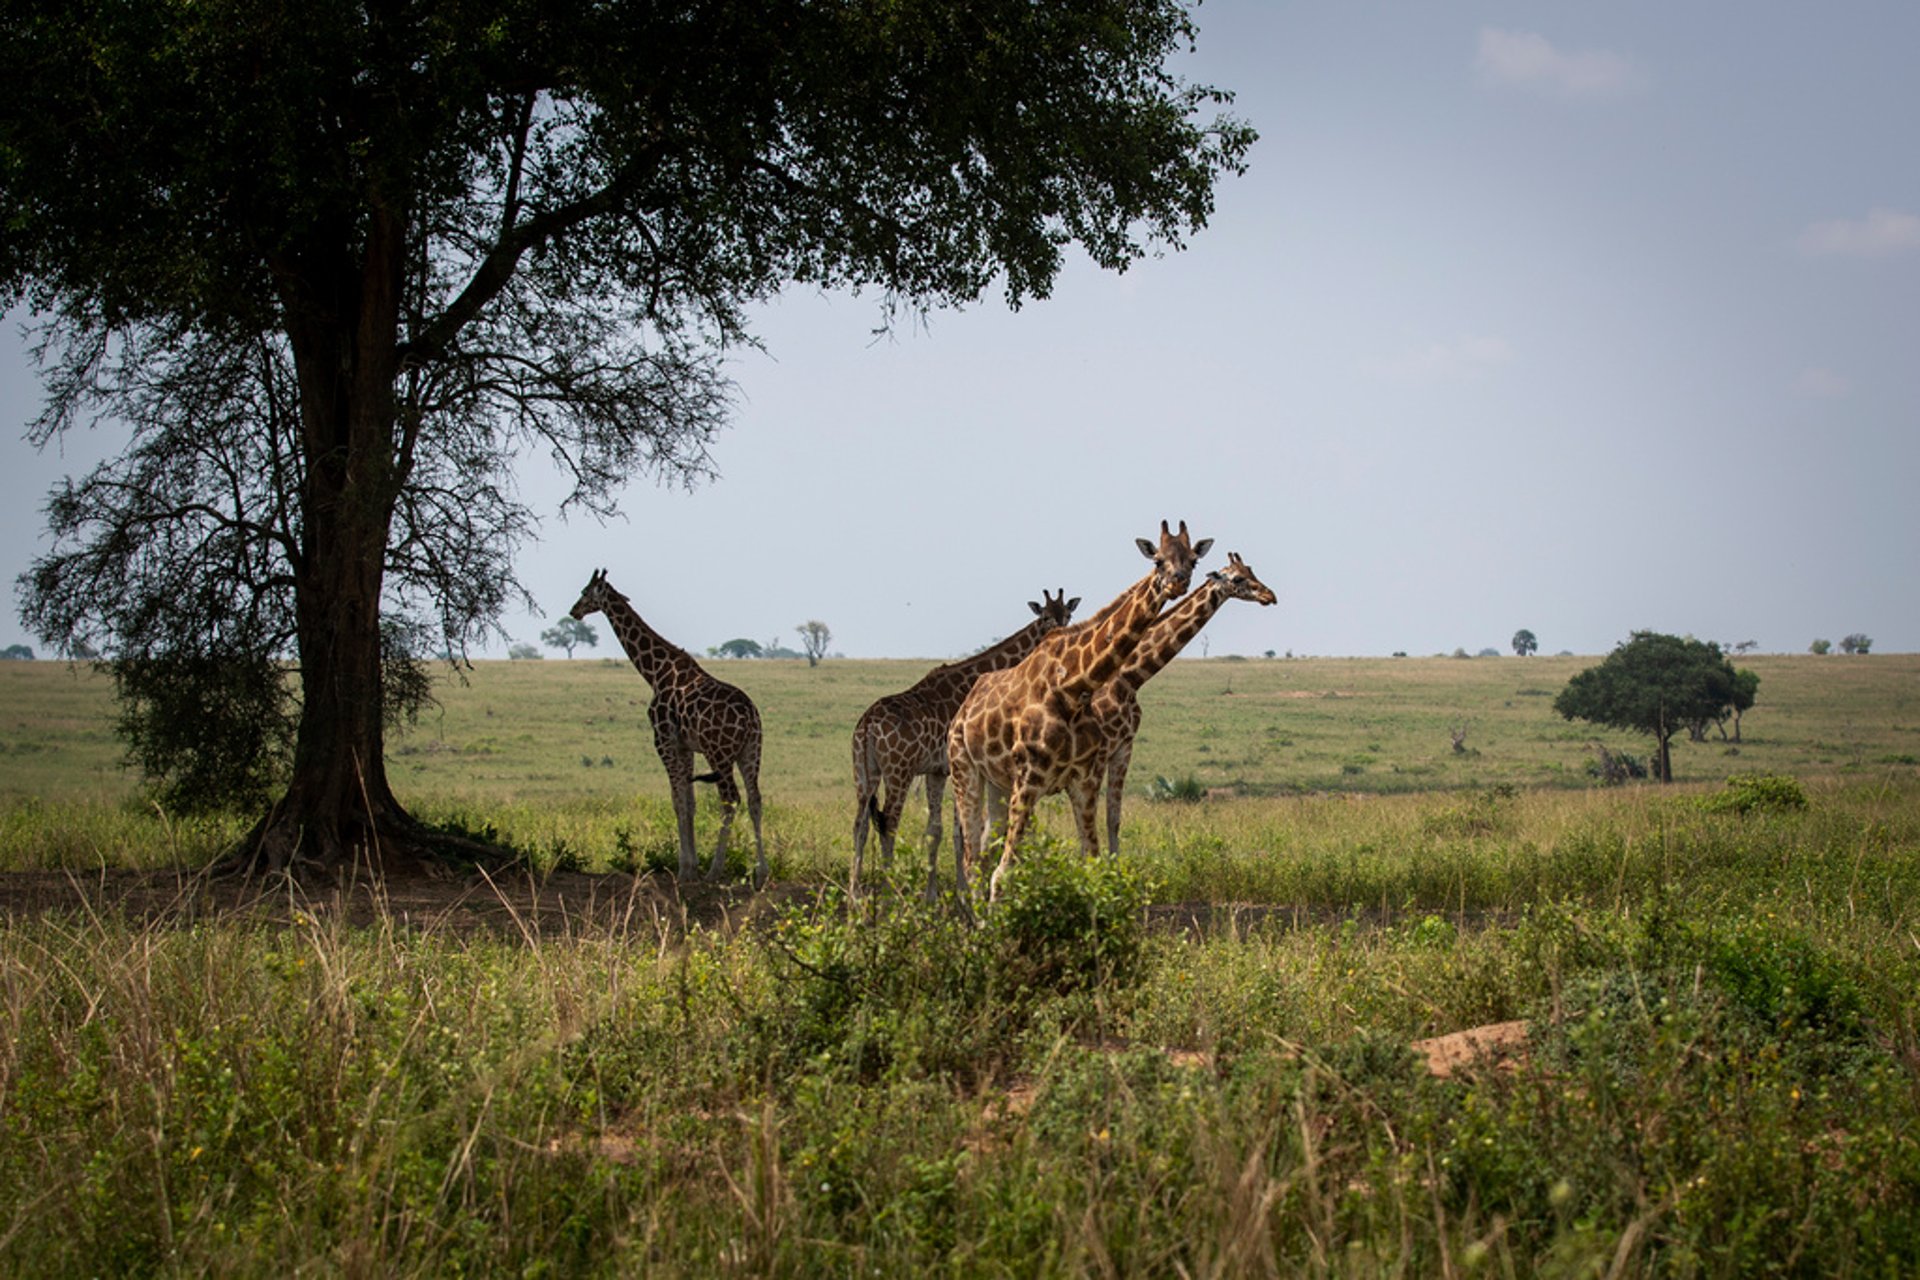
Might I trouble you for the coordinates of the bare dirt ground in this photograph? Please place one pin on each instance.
(508, 904)
(511, 904)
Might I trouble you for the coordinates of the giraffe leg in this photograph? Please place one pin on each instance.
(1116, 788)
(891, 811)
(866, 785)
(729, 805)
(1020, 803)
(1084, 797)
(750, 775)
(863, 798)
(679, 762)
(969, 833)
(936, 794)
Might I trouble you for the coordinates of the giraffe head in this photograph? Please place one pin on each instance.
(596, 597)
(1240, 584)
(1173, 560)
(1057, 611)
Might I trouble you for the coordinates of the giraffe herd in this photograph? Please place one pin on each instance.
(1052, 708)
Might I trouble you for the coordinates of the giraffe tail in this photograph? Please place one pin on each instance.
(715, 776)
(878, 814)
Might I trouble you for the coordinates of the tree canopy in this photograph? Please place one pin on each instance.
(570, 634)
(1656, 684)
(815, 636)
(337, 266)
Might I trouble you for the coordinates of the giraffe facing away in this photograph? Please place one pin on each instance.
(691, 712)
(1016, 729)
(903, 736)
(1115, 710)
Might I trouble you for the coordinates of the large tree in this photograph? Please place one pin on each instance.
(1655, 684)
(337, 263)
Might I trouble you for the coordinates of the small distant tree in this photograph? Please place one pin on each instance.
(18, 652)
(1746, 686)
(1654, 684)
(1820, 647)
(1524, 643)
(738, 647)
(814, 639)
(1856, 643)
(523, 650)
(569, 634)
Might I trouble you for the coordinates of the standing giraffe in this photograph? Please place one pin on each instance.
(1115, 710)
(691, 711)
(1015, 732)
(904, 736)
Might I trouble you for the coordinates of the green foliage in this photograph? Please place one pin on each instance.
(1820, 648)
(212, 734)
(1857, 642)
(1183, 790)
(570, 633)
(1748, 792)
(1654, 684)
(1068, 923)
(1482, 813)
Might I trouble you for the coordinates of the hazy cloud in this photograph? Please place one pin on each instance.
(1821, 384)
(1460, 361)
(1882, 231)
(1528, 60)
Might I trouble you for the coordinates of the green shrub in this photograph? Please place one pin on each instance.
(1186, 790)
(1069, 923)
(1746, 792)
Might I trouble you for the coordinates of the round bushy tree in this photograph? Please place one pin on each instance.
(1654, 684)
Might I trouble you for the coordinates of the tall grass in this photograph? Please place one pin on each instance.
(1721, 1074)
(1199, 1059)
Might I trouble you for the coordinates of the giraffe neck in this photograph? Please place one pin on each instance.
(946, 686)
(1170, 634)
(1090, 658)
(660, 662)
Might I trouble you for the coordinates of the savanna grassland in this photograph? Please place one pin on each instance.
(1211, 1056)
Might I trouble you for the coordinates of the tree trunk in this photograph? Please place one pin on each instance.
(339, 813)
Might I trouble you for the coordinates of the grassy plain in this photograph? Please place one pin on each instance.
(558, 754)
(1712, 1047)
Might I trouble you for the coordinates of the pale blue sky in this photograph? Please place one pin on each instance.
(1581, 318)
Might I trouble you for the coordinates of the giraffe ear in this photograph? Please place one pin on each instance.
(1147, 549)
(1201, 547)
(1037, 610)
(1072, 604)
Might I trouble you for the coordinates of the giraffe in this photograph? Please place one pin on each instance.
(691, 711)
(1016, 730)
(1115, 710)
(904, 735)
